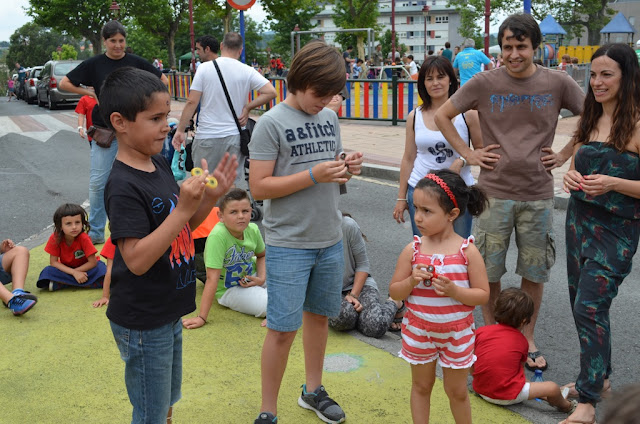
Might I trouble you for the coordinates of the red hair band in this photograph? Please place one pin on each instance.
(444, 186)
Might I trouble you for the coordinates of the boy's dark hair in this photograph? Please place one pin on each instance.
(359, 61)
(522, 25)
(68, 209)
(410, 56)
(233, 194)
(447, 44)
(349, 47)
(209, 41)
(514, 307)
(232, 41)
(128, 91)
(471, 198)
(624, 406)
(441, 65)
(112, 28)
(317, 67)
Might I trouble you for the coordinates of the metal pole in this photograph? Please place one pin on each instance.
(242, 56)
(293, 49)
(487, 15)
(527, 6)
(425, 37)
(393, 30)
(394, 100)
(192, 67)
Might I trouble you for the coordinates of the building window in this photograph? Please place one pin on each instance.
(442, 19)
(320, 23)
(632, 20)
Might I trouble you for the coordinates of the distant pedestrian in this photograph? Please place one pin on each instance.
(348, 61)
(22, 75)
(73, 256)
(468, 62)
(11, 92)
(84, 109)
(412, 67)
(447, 51)
(442, 277)
(638, 50)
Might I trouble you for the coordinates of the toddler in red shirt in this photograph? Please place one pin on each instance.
(501, 349)
(73, 260)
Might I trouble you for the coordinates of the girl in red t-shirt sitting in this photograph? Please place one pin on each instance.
(501, 349)
(73, 260)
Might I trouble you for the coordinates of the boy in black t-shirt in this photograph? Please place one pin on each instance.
(153, 275)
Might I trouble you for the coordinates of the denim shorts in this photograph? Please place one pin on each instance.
(5, 277)
(302, 280)
(533, 223)
(153, 369)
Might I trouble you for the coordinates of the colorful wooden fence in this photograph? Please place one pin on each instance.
(379, 100)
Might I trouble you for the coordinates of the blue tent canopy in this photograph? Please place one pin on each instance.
(619, 24)
(550, 26)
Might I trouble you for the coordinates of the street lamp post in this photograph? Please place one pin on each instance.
(425, 12)
(115, 10)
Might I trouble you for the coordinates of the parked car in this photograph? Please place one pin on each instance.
(47, 89)
(31, 94)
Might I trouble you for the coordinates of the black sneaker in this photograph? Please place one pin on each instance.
(319, 401)
(266, 418)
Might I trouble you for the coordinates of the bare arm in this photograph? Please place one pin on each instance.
(261, 272)
(67, 85)
(266, 93)
(164, 79)
(208, 294)
(187, 113)
(406, 166)
(81, 124)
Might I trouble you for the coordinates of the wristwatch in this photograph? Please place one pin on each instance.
(464, 161)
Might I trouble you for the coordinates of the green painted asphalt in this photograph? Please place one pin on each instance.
(60, 364)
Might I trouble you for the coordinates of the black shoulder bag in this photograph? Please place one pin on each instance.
(245, 134)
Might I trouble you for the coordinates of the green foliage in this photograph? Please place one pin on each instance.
(385, 42)
(67, 51)
(284, 15)
(32, 44)
(78, 19)
(355, 14)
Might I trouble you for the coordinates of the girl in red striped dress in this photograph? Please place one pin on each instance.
(442, 277)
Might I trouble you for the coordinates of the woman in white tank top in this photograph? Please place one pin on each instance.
(426, 148)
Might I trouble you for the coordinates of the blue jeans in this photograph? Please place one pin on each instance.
(153, 369)
(302, 279)
(101, 162)
(462, 225)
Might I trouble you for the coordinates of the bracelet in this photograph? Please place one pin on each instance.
(464, 161)
(399, 198)
(79, 128)
(311, 175)
(205, 321)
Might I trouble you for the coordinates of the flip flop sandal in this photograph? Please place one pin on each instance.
(398, 319)
(533, 356)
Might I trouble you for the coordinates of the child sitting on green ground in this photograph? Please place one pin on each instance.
(501, 349)
(14, 264)
(235, 259)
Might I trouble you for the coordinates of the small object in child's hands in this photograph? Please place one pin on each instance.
(212, 182)
(245, 280)
(432, 270)
(342, 156)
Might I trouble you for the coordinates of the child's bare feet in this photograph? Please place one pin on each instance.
(585, 413)
(573, 393)
(263, 323)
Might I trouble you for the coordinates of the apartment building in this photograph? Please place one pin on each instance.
(442, 24)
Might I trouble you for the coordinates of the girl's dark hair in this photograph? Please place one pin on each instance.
(522, 25)
(233, 194)
(112, 28)
(627, 112)
(471, 198)
(128, 91)
(68, 209)
(348, 215)
(514, 307)
(442, 66)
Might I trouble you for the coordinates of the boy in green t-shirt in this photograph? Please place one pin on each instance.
(235, 259)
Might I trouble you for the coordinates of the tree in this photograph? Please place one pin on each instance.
(576, 15)
(385, 42)
(67, 51)
(84, 19)
(32, 44)
(283, 16)
(355, 14)
(162, 18)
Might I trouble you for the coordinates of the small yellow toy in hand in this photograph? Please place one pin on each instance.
(212, 182)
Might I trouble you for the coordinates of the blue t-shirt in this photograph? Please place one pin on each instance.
(468, 63)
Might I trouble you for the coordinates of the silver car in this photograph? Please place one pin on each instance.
(30, 84)
(48, 92)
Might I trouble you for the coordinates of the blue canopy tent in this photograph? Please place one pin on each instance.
(618, 25)
(550, 27)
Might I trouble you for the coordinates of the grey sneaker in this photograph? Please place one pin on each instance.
(266, 418)
(319, 401)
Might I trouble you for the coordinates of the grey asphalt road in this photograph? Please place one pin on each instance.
(38, 176)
